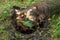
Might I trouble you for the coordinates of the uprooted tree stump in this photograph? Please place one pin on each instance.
(27, 20)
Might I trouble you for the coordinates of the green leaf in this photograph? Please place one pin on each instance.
(28, 24)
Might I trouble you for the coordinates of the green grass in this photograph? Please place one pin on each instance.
(55, 24)
(7, 31)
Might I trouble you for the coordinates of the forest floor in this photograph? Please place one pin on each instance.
(7, 31)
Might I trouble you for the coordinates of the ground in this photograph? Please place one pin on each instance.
(7, 31)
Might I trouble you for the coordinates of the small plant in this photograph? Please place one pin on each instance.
(18, 35)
